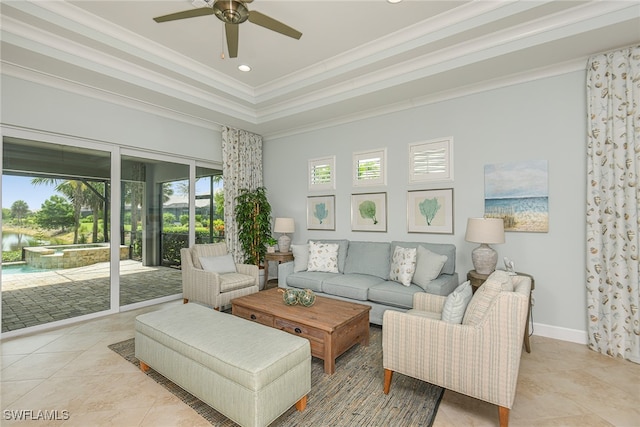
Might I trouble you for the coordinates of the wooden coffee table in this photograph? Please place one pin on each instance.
(331, 326)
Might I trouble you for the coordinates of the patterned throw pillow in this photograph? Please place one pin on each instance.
(323, 257)
(403, 265)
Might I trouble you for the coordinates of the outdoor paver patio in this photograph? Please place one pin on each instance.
(30, 299)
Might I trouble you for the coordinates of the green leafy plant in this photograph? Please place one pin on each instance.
(368, 210)
(253, 216)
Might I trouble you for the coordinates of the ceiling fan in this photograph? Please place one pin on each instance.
(232, 13)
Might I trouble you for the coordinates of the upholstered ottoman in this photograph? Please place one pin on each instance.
(249, 372)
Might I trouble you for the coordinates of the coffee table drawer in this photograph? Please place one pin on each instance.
(315, 336)
(253, 315)
(298, 329)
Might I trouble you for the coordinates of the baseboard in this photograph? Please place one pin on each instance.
(559, 333)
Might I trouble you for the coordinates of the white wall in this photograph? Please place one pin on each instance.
(542, 119)
(39, 107)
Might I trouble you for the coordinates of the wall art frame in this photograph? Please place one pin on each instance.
(430, 211)
(369, 212)
(321, 212)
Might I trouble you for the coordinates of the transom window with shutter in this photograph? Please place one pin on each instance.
(431, 160)
(369, 168)
(322, 173)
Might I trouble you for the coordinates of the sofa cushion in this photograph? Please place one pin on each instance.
(456, 303)
(394, 294)
(447, 249)
(372, 258)
(354, 286)
(484, 296)
(428, 267)
(323, 257)
(300, 257)
(343, 247)
(403, 265)
(218, 264)
(309, 280)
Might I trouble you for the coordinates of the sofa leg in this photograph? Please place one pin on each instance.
(185, 300)
(504, 416)
(144, 367)
(302, 403)
(388, 374)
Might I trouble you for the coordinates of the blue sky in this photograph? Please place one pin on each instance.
(20, 188)
(516, 179)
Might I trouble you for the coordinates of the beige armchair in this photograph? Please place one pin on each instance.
(211, 288)
(479, 358)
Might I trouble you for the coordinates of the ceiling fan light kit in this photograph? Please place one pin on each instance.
(232, 13)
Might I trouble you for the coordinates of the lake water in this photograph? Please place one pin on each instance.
(15, 241)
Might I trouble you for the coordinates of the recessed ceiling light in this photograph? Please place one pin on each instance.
(244, 68)
(394, 1)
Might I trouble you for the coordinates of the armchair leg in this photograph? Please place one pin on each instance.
(504, 416)
(185, 300)
(388, 374)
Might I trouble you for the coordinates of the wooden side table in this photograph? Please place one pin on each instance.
(478, 279)
(280, 257)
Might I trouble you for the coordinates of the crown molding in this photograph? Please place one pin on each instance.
(98, 29)
(510, 40)
(55, 82)
(502, 82)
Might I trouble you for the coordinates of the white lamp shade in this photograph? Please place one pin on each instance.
(485, 230)
(284, 225)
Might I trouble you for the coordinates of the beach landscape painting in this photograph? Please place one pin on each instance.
(518, 192)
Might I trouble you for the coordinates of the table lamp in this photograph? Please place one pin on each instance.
(485, 231)
(284, 226)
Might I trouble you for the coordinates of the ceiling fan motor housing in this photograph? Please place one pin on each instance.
(231, 11)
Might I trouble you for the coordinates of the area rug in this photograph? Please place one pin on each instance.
(351, 397)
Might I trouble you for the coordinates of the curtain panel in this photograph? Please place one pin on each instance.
(613, 201)
(241, 168)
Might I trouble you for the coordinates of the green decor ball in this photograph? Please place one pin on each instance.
(306, 297)
(290, 297)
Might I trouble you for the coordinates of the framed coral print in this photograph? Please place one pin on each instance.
(369, 212)
(321, 213)
(430, 211)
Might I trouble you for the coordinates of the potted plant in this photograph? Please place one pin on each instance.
(271, 245)
(253, 216)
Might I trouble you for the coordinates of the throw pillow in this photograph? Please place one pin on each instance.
(403, 265)
(456, 303)
(428, 267)
(323, 257)
(300, 257)
(218, 264)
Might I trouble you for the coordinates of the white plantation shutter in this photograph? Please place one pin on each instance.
(431, 161)
(322, 173)
(369, 168)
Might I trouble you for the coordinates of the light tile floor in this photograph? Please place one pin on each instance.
(71, 369)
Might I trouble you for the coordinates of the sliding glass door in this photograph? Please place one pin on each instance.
(55, 232)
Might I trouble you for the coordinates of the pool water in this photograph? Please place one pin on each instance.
(21, 269)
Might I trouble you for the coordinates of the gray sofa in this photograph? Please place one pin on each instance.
(363, 275)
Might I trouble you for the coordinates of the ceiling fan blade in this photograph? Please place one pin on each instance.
(232, 31)
(273, 25)
(191, 13)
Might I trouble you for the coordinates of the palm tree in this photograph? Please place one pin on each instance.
(74, 191)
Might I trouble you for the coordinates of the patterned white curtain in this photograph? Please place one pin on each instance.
(241, 168)
(613, 203)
